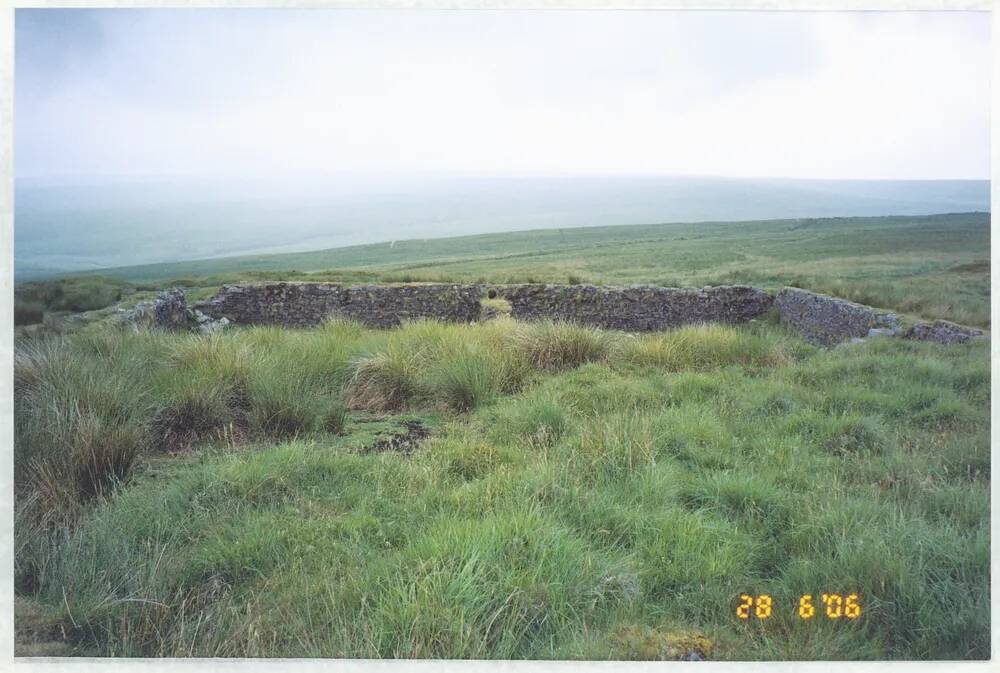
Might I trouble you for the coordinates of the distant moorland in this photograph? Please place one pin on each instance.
(61, 228)
(935, 266)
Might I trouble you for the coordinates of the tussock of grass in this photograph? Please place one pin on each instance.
(79, 424)
(196, 411)
(479, 587)
(694, 433)
(281, 408)
(464, 382)
(217, 358)
(537, 420)
(382, 382)
(705, 347)
(334, 418)
(613, 446)
(554, 346)
(427, 362)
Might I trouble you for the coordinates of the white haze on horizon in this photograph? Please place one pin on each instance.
(278, 96)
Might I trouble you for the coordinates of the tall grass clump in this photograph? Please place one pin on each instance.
(537, 420)
(194, 411)
(221, 358)
(703, 347)
(382, 381)
(427, 362)
(553, 346)
(203, 391)
(391, 372)
(463, 383)
(284, 408)
(79, 422)
(474, 375)
(334, 418)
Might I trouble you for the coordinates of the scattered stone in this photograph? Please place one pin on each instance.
(942, 332)
(139, 317)
(207, 324)
(882, 331)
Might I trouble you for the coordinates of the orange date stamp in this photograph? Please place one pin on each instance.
(829, 605)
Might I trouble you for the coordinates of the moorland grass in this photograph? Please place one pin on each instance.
(584, 495)
(934, 266)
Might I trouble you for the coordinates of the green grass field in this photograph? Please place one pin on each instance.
(507, 490)
(936, 266)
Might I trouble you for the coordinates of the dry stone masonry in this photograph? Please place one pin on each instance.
(818, 318)
(942, 332)
(308, 304)
(827, 320)
(641, 308)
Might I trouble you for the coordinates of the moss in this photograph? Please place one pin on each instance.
(659, 644)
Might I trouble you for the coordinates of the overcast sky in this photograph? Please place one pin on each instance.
(279, 93)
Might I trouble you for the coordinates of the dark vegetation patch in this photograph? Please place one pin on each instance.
(75, 295)
(403, 442)
(643, 643)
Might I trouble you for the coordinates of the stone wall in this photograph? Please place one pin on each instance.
(820, 319)
(308, 304)
(827, 320)
(942, 332)
(634, 309)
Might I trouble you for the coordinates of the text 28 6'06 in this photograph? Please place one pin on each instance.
(829, 605)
